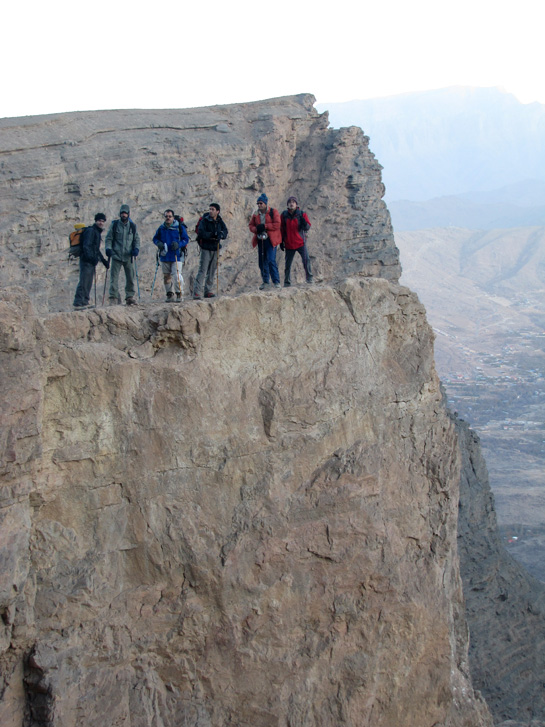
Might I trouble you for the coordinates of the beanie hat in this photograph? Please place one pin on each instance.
(292, 198)
(124, 208)
(263, 198)
(100, 216)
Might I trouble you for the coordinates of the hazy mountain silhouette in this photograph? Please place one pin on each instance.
(516, 205)
(450, 141)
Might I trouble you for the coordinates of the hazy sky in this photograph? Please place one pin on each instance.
(69, 56)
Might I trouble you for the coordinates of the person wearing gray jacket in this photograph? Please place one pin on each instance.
(122, 247)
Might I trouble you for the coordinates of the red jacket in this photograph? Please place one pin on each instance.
(272, 226)
(293, 228)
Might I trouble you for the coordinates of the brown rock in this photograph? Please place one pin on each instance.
(252, 523)
(505, 605)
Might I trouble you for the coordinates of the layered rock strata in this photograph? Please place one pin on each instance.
(232, 513)
(60, 169)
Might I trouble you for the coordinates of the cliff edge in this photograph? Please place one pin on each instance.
(232, 513)
(61, 169)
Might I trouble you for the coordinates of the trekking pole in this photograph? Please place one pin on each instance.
(133, 260)
(156, 269)
(179, 277)
(95, 286)
(104, 291)
(218, 271)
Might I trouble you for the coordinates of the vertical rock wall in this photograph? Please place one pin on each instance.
(505, 605)
(232, 513)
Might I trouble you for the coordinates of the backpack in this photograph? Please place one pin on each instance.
(181, 223)
(75, 240)
(197, 229)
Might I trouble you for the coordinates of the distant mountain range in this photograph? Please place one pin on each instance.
(445, 146)
(517, 205)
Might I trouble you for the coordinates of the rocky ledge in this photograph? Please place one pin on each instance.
(239, 512)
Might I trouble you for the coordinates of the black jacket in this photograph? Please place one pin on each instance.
(210, 231)
(91, 245)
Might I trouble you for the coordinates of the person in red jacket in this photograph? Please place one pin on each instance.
(294, 226)
(265, 224)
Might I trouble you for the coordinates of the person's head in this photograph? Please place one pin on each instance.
(262, 202)
(100, 220)
(169, 217)
(124, 212)
(292, 204)
(214, 210)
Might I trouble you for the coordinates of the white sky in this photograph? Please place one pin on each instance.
(69, 56)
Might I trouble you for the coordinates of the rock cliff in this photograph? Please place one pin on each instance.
(232, 513)
(505, 605)
(241, 512)
(60, 169)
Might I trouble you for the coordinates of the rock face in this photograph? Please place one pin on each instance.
(232, 513)
(60, 169)
(505, 605)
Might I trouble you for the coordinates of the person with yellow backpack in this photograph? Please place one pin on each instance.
(89, 256)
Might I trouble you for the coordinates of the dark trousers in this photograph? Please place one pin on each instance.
(267, 261)
(207, 268)
(306, 264)
(86, 277)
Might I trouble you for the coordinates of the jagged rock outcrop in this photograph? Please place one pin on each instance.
(232, 513)
(60, 169)
(505, 605)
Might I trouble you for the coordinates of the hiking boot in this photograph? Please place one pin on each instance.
(81, 306)
(170, 297)
(178, 296)
(277, 285)
(196, 296)
(263, 286)
(209, 295)
(310, 281)
(131, 301)
(287, 284)
(113, 301)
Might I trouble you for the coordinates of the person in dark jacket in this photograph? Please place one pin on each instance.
(171, 240)
(210, 230)
(294, 226)
(90, 255)
(265, 224)
(122, 245)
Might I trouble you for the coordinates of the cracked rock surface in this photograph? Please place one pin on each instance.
(239, 512)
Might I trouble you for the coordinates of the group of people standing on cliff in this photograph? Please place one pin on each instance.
(271, 229)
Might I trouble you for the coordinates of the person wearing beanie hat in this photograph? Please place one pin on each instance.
(90, 255)
(294, 226)
(122, 247)
(171, 240)
(211, 229)
(265, 225)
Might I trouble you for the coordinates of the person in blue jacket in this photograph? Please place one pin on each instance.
(171, 240)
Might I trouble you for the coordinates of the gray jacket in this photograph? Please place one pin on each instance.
(123, 240)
